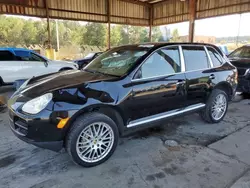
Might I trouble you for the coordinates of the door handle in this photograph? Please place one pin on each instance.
(212, 76)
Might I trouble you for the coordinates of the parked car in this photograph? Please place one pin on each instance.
(241, 59)
(122, 90)
(22, 64)
(86, 60)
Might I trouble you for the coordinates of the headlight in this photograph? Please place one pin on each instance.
(36, 105)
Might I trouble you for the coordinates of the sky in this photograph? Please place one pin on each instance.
(222, 26)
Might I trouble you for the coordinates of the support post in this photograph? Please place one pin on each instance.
(150, 22)
(192, 16)
(108, 19)
(48, 24)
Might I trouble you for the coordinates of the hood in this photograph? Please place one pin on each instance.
(240, 63)
(72, 78)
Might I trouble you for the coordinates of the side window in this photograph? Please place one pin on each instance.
(22, 55)
(6, 56)
(34, 57)
(162, 62)
(215, 57)
(236, 53)
(195, 57)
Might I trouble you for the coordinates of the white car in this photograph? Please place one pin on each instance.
(21, 64)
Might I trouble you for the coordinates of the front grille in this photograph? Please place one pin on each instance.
(241, 72)
(19, 126)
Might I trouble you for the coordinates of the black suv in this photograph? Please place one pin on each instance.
(241, 59)
(126, 88)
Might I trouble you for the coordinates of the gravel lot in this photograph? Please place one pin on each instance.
(207, 155)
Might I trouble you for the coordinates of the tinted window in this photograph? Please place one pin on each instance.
(22, 55)
(28, 56)
(195, 58)
(215, 57)
(162, 62)
(6, 56)
(243, 52)
(34, 57)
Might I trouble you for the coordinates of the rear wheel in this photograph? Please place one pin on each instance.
(92, 139)
(216, 107)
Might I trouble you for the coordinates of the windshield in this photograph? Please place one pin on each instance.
(241, 53)
(117, 61)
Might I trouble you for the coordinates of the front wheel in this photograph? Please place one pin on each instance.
(216, 107)
(92, 139)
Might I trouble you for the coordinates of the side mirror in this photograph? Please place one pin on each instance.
(46, 63)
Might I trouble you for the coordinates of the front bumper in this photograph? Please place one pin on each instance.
(41, 133)
(40, 129)
(51, 145)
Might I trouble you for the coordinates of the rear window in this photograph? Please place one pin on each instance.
(215, 57)
(195, 58)
(6, 56)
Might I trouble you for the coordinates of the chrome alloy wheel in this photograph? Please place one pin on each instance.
(95, 142)
(219, 107)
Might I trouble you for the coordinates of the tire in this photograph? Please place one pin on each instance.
(207, 113)
(83, 123)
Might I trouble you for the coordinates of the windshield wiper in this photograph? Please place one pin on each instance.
(98, 72)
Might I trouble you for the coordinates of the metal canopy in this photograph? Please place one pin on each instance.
(131, 12)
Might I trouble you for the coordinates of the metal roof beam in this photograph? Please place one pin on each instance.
(137, 2)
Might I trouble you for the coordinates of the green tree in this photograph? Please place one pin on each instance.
(115, 38)
(11, 30)
(175, 37)
(156, 34)
(42, 33)
(29, 33)
(124, 34)
(95, 34)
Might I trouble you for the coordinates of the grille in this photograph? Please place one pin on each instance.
(19, 125)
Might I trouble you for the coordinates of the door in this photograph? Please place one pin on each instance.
(198, 73)
(158, 85)
(9, 67)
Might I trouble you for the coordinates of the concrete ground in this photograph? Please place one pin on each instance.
(207, 156)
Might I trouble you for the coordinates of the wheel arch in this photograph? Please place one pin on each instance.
(108, 110)
(226, 87)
